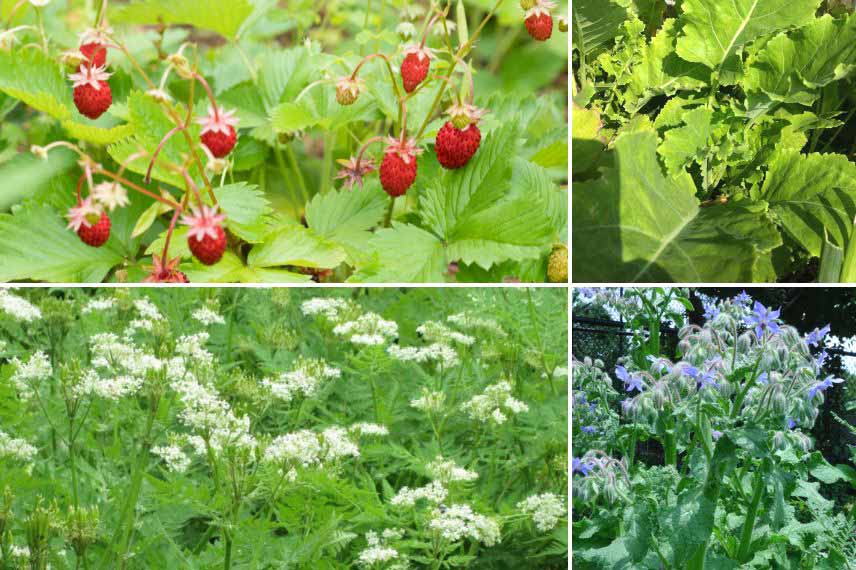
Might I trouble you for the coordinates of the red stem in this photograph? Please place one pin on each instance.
(169, 233)
(428, 28)
(133, 186)
(365, 146)
(172, 131)
(79, 184)
(210, 94)
(192, 185)
(366, 60)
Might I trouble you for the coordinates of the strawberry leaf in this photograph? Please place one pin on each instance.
(222, 16)
(29, 75)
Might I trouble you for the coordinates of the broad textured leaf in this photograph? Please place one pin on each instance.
(792, 66)
(222, 16)
(290, 117)
(660, 71)
(713, 31)
(296, 245)
(811, 194)
(37, 80)
(596, 23)
(346, 216)
(633, 224)
(588, 144)
(682, 144)
(97, 135)
(35, 244)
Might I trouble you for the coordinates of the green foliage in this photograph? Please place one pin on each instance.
(99, 464)
(744, 101)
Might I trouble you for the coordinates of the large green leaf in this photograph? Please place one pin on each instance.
(37, 80)
(345, 217)
(596, 23)
(97, 135)
(482, 215)
(713, 31)
(660, 71)
(792, 66)
(634, 224)
(812, 193)
(588, 143)
(35, 244)
(222, 16)
(682, 144)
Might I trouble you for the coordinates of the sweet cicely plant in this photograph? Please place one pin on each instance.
(739, 484)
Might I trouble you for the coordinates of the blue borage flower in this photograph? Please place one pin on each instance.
(823, 386)
(631, 381)
(814, 338)
(578, 466)
(589, 429)
(710, 311)
(742, 299)
(763, 320)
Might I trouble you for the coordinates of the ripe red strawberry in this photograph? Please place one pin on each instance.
(90, 222)
(414, 68)
(459, 139)
(206, 238)
(95, 52)
(539, 22)
(92, 95)
(218, 131)
(398, 169)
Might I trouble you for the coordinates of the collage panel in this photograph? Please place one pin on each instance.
(713, 427)
(271, 141)
(271, 428)
(713, 141)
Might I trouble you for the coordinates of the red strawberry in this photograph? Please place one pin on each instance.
(459, 139)
(206, 238)
(95, 52)
(220, 144)
(398, 169)
(539, 22)
(95, 234)
(414, 68)
(218, 131)
(92, 95)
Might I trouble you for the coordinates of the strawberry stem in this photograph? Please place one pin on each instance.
(210, 94)
(79, 184)
(99, 16)
(431, 23)
(169, 232)
(366, 146)
(172, 131)
(131, 185)
(388, 68)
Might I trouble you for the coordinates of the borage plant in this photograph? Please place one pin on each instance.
(739, 485)
(713, 140)
(269, 429)
(176, 156)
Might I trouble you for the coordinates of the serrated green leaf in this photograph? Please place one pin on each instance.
(291, 117)
(345, 217)
(38, 81)
(812, 194)
(682, 144)
(403, 253)
(596, 23)
(97, 135)
(633, 224)
(35, 244)
(296, 245)
(714, 31)
(792, 66)
(222, 16)
(247, 210)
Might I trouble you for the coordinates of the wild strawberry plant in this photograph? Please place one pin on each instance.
(737, 484)
(205, 141)
(253, 428)
(714, 140)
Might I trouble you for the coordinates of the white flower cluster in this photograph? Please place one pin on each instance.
(447, 471)
(439, 352)
(494, 404)
(98, 304)
(378, 550)
(433, 492)
(15, 448)
(304, 381)
(174, 457)
(21, 553)
(212, 418)
(369, 429)
(459, 521)
(207, 316)
(114, 388)
(37, 367)
(149, 314)
(546, 510)
(19, 308)
(306, 448)
(468, 321)
(430, 401)
(432, 331)
(369, 329)
(192, 348)
(328, 307)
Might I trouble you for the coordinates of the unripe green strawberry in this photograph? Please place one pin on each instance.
(557, 264)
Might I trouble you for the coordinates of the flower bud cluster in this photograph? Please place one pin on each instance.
(494, 405)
